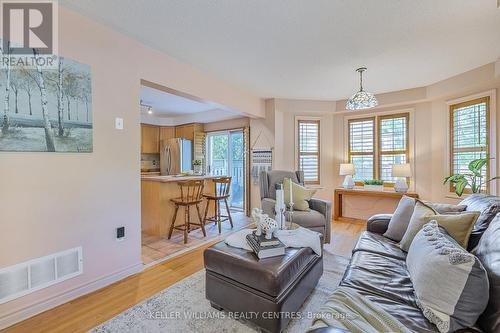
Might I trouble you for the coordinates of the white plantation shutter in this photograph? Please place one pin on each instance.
(362, 147)
(469, 135)
(308, 150)
(393, 144)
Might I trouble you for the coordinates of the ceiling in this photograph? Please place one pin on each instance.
(175, 109)
(310, 48)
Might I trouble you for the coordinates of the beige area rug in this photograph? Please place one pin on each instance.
(183, 307)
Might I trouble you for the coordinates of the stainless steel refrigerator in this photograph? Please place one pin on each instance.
(176, 156)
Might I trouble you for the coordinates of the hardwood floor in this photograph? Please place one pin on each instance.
(155, 248)
(86, 312)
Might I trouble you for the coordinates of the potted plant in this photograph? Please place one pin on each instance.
(373, 184)
(473, 179)
(197, 166)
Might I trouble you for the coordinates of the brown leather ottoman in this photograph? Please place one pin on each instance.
(267, 292)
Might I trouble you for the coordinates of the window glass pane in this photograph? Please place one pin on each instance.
(469, 126)
(308, 135)
(361, 136)
(393, 134)
(363, 165)
(386, 163)
(461, 162)
(309, 150)
(309, 164)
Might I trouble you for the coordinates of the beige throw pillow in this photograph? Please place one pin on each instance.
(458, 226)
(300, 195)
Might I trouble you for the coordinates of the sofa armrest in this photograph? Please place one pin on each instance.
(267, 206)
(324, 207)
(378, 223)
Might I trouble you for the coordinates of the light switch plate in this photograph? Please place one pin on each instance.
(119, 123)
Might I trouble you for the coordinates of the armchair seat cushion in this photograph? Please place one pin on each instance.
(309, 219)
(375, 243)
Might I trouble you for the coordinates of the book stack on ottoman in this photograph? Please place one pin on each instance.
(273, 289)
(265, 248)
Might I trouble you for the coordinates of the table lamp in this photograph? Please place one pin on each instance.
(347, 170)
(401, 171)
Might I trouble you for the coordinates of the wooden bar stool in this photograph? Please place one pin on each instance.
(191, 195)
(222, 187)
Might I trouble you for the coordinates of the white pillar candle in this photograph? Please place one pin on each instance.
(291, 196)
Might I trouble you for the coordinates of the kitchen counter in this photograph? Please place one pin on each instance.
(168, 179)
(157, 209)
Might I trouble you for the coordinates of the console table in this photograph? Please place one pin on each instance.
(378, 196)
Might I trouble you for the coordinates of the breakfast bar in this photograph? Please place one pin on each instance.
(157, 208)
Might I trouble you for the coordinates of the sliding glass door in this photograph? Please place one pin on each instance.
(225, 157)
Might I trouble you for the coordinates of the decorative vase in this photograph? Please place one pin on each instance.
(197, 169)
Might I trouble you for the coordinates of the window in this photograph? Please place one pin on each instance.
(377, 143)
(308, 150)
(469, 135)
(393, 144)
(362, 147)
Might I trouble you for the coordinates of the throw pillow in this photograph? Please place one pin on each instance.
(400, 219)
(450, 284)
(458, 226)
(300, 195)
(417, 220)
(443, 208)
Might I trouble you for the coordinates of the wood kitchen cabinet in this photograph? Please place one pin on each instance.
(150, 139)
(187, 131)
(166, 133)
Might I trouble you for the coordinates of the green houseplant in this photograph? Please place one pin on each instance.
(197, 166)
(373, 184)
(473, 179)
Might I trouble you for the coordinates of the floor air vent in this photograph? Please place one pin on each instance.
(36, 274)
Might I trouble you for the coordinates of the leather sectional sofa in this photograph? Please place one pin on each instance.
(377, 269)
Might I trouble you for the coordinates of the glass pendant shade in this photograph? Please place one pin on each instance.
(362, 99)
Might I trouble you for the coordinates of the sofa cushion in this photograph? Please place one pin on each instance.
(488, 252)
(451, 285)
(271, 276)
(379, 275)
(375, 243)
(489, 206)
(443, 208)
(309, 219)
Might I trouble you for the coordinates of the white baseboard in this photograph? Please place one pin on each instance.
(44, 305)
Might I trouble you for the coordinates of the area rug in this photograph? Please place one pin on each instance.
(183, 308)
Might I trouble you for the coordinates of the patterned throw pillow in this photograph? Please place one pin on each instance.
(450, 284)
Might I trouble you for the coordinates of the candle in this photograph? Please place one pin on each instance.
(291, 197)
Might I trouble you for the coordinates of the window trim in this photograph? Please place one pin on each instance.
(491, 137)
(313, 120)
(410, 140)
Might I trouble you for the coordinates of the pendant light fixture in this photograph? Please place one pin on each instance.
(362, 99)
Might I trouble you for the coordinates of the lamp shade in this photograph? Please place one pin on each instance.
(347, 169)
(401, 170)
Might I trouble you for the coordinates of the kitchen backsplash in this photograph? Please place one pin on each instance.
(150, 162)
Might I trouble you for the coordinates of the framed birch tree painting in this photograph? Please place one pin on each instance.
(46, 109)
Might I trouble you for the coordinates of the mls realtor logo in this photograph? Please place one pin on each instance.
(29, 26)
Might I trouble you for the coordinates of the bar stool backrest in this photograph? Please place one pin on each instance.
(191, 190)
(222, 186)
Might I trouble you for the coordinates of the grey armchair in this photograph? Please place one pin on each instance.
(319, 218)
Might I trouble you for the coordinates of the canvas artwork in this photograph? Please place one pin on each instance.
(46, 109)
